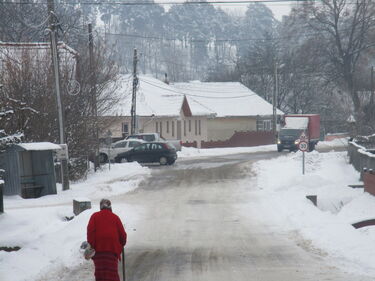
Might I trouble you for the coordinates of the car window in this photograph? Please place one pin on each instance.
(156, 146)
(142, 147)
(148, 137)
(134, 143)
(120, 144)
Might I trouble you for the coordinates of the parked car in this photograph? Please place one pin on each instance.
(156, 137)
(150, 152)
(116, 148)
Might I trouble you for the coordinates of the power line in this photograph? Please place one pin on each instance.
(143, 3)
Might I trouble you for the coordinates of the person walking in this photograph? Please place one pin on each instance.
(107, 236)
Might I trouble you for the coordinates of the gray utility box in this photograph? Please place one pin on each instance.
(29, 169)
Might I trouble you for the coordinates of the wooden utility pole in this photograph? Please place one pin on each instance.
(274, 103)
(94, 105)
(372, 87)
(134, 95)
(53, 24)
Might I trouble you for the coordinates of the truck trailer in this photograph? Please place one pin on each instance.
(294, 126)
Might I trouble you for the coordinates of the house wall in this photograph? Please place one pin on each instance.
(223, 128)
(167, 127)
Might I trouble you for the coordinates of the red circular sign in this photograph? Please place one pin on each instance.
(303, 146)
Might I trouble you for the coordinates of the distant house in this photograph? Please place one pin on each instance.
(37, 54)
(198, 113)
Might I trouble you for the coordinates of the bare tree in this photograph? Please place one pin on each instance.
(343, 30)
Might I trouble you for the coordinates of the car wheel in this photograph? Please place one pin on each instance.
(171, 162)
(103, 158)
(280, 148)
(118, 160)
(163, 160)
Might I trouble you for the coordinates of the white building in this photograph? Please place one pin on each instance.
(198, 113)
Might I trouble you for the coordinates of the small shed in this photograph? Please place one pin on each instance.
(29, 169)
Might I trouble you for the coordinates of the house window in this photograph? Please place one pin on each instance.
(196, 127)
(189, 126)
(161, 128)
(167, 127)
(125, 129)
(172, 128)
(185, 128)
(264, 125)
(267, 125)
(157, 127)
(199, 126)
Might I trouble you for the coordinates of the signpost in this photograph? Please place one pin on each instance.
(303, 146)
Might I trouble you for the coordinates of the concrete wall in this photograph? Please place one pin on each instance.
(223, 128)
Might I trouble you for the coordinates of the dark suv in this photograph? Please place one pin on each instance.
(150, 152)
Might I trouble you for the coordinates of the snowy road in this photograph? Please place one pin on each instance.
(193, 229)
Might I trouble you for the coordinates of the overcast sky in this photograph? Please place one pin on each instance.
(279, 9)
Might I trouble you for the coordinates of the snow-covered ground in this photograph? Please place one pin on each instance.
(50, 242)
(327, 227)
(40, 227)
(191, 152)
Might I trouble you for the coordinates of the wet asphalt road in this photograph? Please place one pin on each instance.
(193, 230)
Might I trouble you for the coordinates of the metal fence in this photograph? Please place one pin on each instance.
(361, 157)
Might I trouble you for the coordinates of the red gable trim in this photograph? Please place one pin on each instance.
(186, 108)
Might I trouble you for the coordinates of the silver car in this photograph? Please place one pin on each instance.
(116, 148)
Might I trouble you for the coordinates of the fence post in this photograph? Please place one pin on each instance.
(1, 197)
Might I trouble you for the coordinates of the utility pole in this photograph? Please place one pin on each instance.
(94, 105)
(53, 24)
(372, 87)
(274, 103)
(134, 95)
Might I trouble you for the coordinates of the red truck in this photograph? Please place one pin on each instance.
(294, 126)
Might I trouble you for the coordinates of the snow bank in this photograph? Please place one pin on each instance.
(205, 152)
(48, 240)
(336, 143)
(328, 226)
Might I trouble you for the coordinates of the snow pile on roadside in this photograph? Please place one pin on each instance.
(338, 142)
(40, 227)
(192, 152)
(204, 152)
(328, 227)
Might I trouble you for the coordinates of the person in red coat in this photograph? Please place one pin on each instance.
(107, 236)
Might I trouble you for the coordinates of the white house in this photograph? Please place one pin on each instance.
(198, 113)
(37, 54)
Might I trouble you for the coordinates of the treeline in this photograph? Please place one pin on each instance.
(320, 56)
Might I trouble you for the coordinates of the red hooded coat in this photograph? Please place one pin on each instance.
(105, 232)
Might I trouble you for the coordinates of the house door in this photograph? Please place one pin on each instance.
(178, 129)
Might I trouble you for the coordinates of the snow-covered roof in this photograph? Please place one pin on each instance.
(37, 53)
(154, 97)
(39, 146)
(296, 122)
(226, 98)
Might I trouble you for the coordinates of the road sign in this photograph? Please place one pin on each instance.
(303, 146)
(303, 137)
